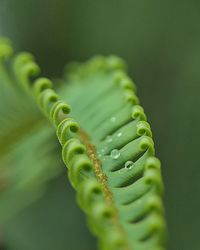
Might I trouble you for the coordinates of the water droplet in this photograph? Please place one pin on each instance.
(115, 154)
(113, 119)
(129, 164)
(104, 149)
(119, 134)
(109, 138)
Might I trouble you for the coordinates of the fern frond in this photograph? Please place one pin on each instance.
(28, 151)
(108, 149)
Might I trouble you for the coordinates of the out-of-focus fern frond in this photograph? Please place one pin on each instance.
(27, 154)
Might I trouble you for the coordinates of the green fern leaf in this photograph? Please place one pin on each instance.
(108, 149)
(24, 171)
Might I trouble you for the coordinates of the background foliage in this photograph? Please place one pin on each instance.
(160, 42)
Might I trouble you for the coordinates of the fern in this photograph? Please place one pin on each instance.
(107, 147)
(24, 171)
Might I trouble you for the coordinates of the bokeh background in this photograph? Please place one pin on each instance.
(160, 41)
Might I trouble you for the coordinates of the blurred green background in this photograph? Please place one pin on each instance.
(160, 41)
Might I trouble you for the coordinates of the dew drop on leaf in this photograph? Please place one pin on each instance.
(119, 134)
(113, 119)
(115, 154)
(129, 164)
(103, 150)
